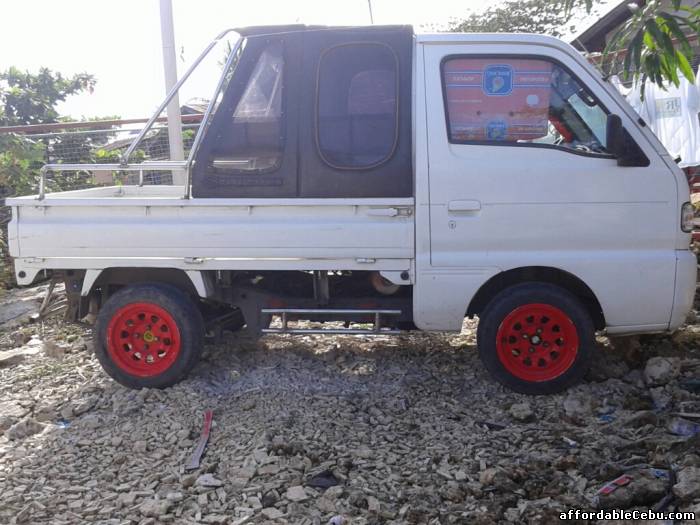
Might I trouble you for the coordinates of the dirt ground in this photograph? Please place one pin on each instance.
(339, 429)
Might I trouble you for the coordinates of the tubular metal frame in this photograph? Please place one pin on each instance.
(284, 313)
(185, 165)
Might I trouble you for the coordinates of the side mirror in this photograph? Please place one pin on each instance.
(620, 144)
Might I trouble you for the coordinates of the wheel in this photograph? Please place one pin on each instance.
(536, 338)
(148, 335)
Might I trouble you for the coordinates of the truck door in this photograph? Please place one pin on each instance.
(519, 176)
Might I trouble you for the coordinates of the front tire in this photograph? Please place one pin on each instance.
(148, 336)
(536, 338)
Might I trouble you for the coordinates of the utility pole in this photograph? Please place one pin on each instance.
(371, 17)
(167, 31)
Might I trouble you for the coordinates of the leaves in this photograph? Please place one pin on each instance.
(18, 158)
(684, 65)
(27, 98)
(654, 41)
(530, 16)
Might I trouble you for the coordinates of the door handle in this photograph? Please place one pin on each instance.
(464, 205)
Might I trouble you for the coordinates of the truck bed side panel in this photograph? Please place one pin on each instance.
(293, 231)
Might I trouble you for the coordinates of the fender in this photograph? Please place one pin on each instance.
(201, 282)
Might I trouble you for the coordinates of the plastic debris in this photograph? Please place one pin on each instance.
(62, 423)
(683, 427)
(337, 520)
(606, 418)
(613, 485)
(659, 473)
(324, 480)
(570, 442)
(196, 456)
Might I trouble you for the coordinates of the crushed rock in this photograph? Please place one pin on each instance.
(412, 429)
(660, 370)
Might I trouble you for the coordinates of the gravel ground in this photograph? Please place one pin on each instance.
(405, 430)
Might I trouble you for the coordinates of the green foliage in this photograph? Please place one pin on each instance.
(228, 49)
(31, 99)
(653, 44)
(188, 135)
(26, 98)
(529, 16)
(19, 162)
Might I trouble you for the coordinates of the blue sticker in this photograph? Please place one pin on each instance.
(498, 80)
(496, 130)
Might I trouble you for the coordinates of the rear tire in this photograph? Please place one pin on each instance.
(148, 336)
(536, 338)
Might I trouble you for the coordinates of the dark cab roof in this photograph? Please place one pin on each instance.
(294, 28)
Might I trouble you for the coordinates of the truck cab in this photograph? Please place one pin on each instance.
(369, 175)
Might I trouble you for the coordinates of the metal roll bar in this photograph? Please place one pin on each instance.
(207, 115)
(159, 165)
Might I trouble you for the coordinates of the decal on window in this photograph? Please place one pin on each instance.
(498, 80)
(497, 101)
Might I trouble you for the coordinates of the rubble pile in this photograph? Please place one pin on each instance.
(342, 430)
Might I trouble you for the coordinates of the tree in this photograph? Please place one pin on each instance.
(31, 99)
(530, 16)
(26, 98)
(653, 44)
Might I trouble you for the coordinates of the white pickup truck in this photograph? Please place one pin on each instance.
(389, 181)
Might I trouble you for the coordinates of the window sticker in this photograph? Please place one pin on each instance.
(497, 101)
(497, 80)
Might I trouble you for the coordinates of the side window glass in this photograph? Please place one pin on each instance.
(254, 140)
(357, 105)
(501, 100)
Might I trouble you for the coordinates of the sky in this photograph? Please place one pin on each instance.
(119, 42)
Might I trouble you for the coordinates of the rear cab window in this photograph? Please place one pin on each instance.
(255, 133)
(520, 101)
(357, 107)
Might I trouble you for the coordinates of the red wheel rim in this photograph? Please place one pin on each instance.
(537, 342)
(143, 339)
